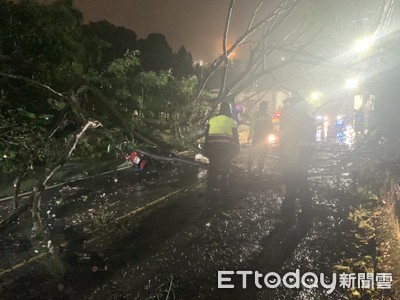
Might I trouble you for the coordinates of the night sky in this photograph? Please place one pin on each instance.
(198, 25)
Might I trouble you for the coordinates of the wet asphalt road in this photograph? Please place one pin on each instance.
(113, 245)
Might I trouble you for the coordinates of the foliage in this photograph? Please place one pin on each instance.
(103, 218)
(116, 84)
(361, 254)
(49, 45)
(54, 86)
(182, 63)
(42, 44)
(115, 41)
(21, 134)
(154, 52)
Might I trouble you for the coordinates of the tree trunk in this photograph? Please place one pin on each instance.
(36, 219)
(17, 185)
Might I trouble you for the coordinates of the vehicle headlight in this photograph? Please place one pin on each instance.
(272, 138)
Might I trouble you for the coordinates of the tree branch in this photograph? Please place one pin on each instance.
(26, 79)
(217, 62)
(89, 124)
(224, 45)
(254, 15)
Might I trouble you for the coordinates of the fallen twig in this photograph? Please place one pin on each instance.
(170, 287)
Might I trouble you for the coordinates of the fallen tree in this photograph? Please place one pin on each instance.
(35, 197)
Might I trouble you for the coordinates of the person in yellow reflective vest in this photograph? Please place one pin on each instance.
(221, 146)
(297, 135)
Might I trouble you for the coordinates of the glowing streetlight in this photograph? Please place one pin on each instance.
(363, 44)
(315, 95)
(351, 83)
(232, 55)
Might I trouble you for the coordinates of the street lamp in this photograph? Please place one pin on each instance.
(364, 44)
(352, 83)
(315, 95)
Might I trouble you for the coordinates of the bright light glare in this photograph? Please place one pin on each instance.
(272, 139)
(358, 101)
(352, 83)
(364, 44)
(315, 95)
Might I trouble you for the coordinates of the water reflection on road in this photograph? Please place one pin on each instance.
(339, 130)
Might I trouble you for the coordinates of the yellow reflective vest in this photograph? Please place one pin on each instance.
(220, 129)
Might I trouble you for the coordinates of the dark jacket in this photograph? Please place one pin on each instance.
(262, 129)
(297, 134)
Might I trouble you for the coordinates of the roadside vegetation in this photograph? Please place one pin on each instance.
(71, 90)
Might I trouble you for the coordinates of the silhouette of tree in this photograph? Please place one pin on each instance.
(183, 63)
(155, 53)
(116, 40)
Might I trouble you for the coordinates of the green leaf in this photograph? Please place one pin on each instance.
(341, 268)
(26, 114)
(58, 105)
(226, 214)
(359, 263)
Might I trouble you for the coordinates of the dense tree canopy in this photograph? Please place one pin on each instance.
(57, 72)
(154, 51)
(116, 40)
(42, 51)
(182, 63)
(61, 78)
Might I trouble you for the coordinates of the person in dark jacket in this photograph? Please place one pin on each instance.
(260, 132)
(297, 134)
(221, 146)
